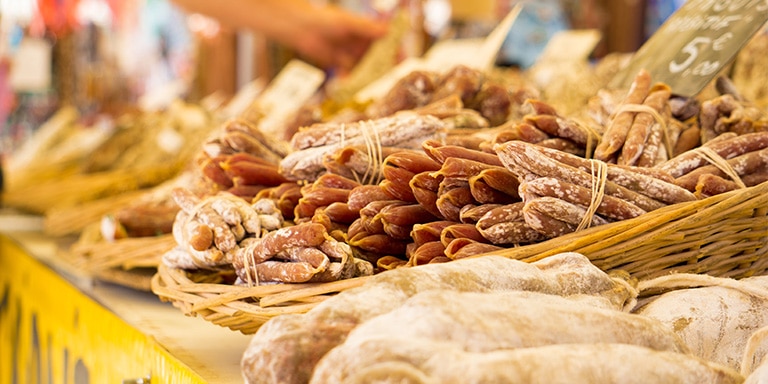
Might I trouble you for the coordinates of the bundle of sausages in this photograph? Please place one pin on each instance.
(224, 231)
(722, 164)
(558, 189)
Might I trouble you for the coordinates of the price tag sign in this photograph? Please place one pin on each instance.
(31, 66)
(695, 43)
(565, 51)
(286, 93)
(570, 46)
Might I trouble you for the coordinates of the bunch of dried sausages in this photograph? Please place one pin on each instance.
(224, 231)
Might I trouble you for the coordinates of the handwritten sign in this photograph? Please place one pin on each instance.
(567, 53)
(695, 43)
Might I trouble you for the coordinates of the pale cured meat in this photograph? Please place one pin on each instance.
(506, 224)
(488, 321)
(405, 130)
(419, 361)
(278, 352)
(714, 316)
(727, 149)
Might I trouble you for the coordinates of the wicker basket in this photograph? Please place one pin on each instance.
(239, 308)
(724, 235)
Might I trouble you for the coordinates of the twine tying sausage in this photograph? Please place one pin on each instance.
(599, 170)
(373, 149)
(640, 108)
(249, 264)
(718, 161)
(374, 152)
(592, 135)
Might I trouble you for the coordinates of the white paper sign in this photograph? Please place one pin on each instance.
(286, 93)
(31, 66)
(573, 45)
(244, 98)
(450, 53)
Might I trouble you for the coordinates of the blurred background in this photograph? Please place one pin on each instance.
(104, 56)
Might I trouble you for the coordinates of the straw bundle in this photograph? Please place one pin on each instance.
(62, 221)
(125, 253)
(79, 188)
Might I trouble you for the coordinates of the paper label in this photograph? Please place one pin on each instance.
(574, 45)
(244, 98)
(31, 66)
(486, 57)
(450, 53)
(286, 93)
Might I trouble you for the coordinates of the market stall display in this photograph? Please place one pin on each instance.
(83, 178)
(461, 220)
(526, 189)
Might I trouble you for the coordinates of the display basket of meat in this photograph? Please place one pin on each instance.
(648, 190)
(722, 235)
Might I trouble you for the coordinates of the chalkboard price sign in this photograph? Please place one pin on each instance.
(695, 43)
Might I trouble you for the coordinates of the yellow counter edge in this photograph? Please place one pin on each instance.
(51, 332)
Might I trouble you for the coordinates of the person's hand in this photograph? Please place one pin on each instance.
(333, 38)
(327, 36)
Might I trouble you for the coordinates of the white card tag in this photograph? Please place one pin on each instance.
(31, 66)
(286, 93)
(570, 46)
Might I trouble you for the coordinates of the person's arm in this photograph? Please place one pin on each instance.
(329, 36)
